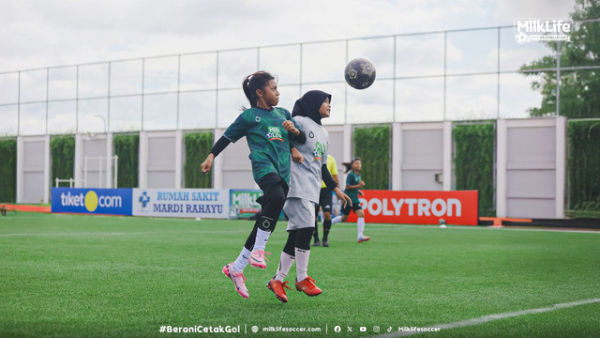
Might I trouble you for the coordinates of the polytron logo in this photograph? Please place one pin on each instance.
(91, 201)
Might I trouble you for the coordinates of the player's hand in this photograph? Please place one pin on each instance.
(361, 183)
(290, 127)
(342, 197)
(361, 193)
(296, 155)
(207, 164)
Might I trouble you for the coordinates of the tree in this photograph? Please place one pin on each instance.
(579, 88)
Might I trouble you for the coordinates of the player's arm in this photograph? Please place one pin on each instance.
(233, 133)
(331, 184)
(296, 155)
(296, 135)
(356, 186)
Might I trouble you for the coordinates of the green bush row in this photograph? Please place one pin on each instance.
(8, 170)
(372, 145)
(474, 162)
(583, 165)
(197, 146)
(62, 154)
(127, 148)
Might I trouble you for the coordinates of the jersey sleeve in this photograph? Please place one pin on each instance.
(333, 170)
(296, 140)
(239, 127)
(350, 179)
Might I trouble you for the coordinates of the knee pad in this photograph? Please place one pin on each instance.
(266, 223)
(273, 201)
(291, 243)
(303, 237)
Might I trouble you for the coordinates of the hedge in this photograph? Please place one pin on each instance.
(197, 146)
(583, 166)
(8, 170)
(62, 154)
(474, 162)
(127, 148)
(372, 145)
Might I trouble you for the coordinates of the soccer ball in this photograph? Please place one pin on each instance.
(360, 73)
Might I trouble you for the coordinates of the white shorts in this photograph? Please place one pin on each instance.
(300, 212)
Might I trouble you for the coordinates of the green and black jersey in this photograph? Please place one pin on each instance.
(352, 179)
(268, 141)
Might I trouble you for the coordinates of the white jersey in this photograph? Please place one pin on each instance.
(305, 177)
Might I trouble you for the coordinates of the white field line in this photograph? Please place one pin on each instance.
(115, 233)
(475, 228)
(489, 318)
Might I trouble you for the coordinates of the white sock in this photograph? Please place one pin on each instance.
(360, 225)
(261, 239)
(336, 219)
(242, 260)
(301, 264)
(285, 263)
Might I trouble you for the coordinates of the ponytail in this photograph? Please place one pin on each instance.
(252, 82)
(348, 165)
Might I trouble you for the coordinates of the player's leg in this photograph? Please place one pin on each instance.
(316, 232)
(278, 284)
(326, 228)
(327, 202)
(287, 256)
(360, 226)
(344, 216)
(304, 282)
(272, 204)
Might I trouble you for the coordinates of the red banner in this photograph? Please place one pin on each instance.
(419, 207)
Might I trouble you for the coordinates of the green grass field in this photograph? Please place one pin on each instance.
(67, 275)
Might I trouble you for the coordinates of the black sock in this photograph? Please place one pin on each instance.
(326, 228)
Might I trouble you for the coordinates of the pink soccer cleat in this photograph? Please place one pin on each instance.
(258, 260)
(363, 239)
(238, 280)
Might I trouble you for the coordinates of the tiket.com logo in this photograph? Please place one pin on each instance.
(91, 201)
(275, 134)
(144, 199)
(319, 151)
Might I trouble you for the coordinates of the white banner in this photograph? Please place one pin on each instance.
(203, 203)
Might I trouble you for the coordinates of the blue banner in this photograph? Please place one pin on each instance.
(92, 201)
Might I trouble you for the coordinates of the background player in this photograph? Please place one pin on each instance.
(353, 183)
(325, 202)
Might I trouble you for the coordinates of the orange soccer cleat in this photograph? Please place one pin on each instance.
(308, 286)
(278, 289)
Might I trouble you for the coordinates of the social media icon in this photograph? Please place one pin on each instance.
(376, 329)
(363, 329)
(349, 328)
(389, 329)
(337, 329)
(254, 329)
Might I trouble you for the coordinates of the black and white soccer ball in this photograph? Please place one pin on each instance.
(360, 73)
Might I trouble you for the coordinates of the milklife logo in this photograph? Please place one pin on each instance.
(319, 151)
(535, 30)
(274, 133)
(99, 201)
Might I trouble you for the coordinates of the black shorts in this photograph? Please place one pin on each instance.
(325, 200)
(355, 206)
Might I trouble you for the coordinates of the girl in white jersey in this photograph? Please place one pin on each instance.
(303, 196)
